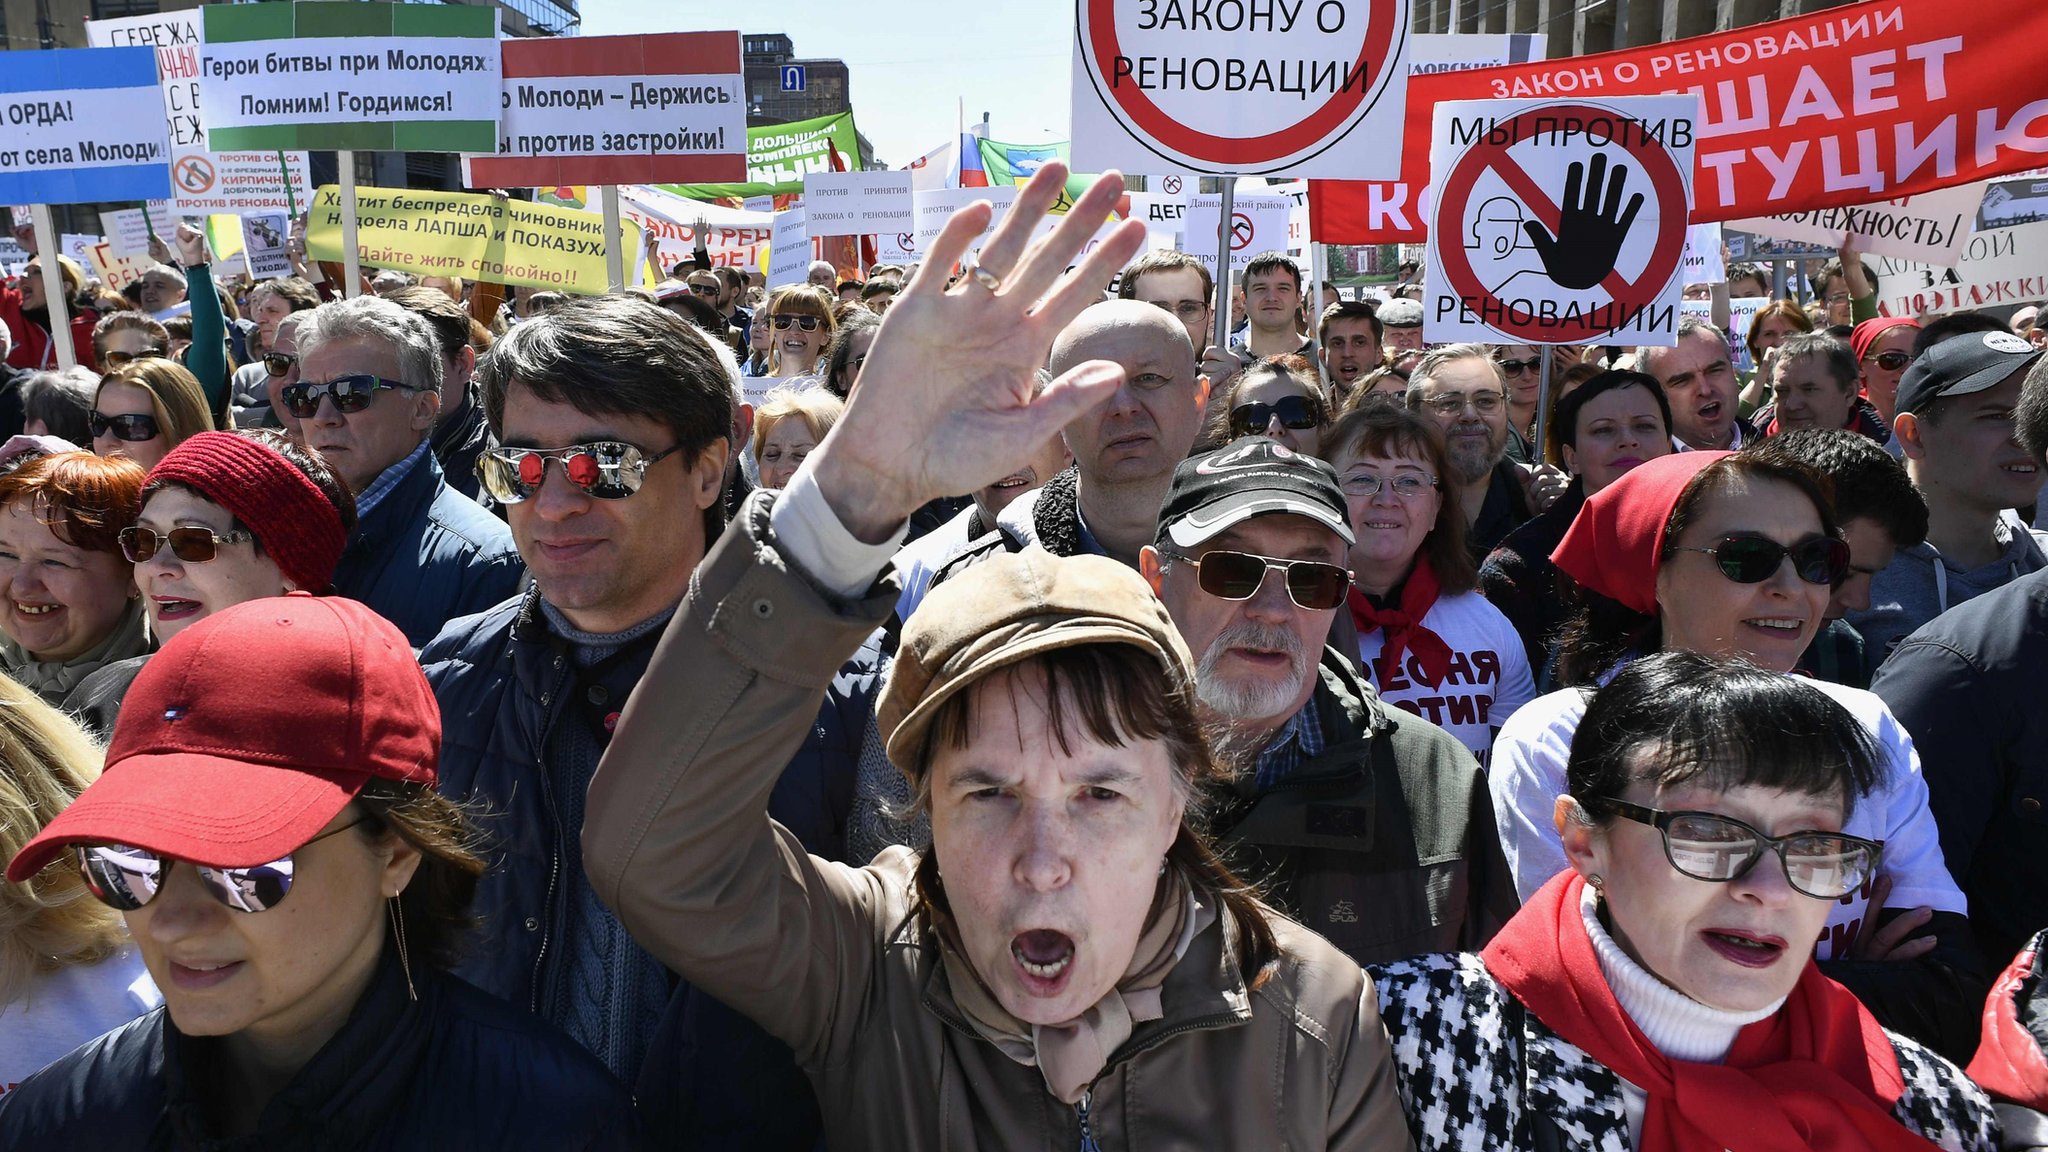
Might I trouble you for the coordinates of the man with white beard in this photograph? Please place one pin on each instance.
(1368, 824)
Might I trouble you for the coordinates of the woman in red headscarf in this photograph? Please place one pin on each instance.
(1735, 556)
(1883, 348)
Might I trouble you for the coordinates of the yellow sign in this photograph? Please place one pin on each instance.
(478, 237)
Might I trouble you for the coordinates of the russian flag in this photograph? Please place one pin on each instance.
(972, 174)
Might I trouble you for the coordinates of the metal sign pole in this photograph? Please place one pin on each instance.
(351, 253)
(53, 286)
(614, 256)
(1223, 216)
(1543, 406)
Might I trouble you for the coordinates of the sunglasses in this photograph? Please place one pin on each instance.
(1721, 849)
(704, 289)
(1453, 404)
(279, 364)
(606, 469)
(1293, 411)
(807, 323)
(1755, 559)
(1514, 368)
(126, 878)
(1893, 360)
(192, 544)
(134, 428)
(351, 393)
(123, 359)
(1311, 584)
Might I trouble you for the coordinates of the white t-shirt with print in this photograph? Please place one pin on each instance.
(1489, 675)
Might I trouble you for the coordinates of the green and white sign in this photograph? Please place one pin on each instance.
(369, 77)
(779, 156)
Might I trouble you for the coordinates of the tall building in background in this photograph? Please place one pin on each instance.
(782, 87)
(1583, 27)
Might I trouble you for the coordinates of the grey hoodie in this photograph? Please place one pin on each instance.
(1919, 585)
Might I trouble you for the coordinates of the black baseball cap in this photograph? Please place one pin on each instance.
(1251, 476)
(1960, 365)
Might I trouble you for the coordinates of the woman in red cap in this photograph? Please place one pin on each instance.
(1735, 557)
(1884, 349)
(298, 890)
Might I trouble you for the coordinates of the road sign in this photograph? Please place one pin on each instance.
(1559, 222)
(792, 77)
(1243, 88)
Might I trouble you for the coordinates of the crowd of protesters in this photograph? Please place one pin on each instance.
(976, 707)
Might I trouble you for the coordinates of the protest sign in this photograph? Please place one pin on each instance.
(474, 236)
(1744, 246)
(236, 182)
(789, 257)
(2003, 268)
(1432, 52)
(779, 156)
(264, 235)
(1258, 223)
(896, 248)
(83, 125)
(1703, 263)
(368, 76)
(1846, 106)
(129, 230)
(2010, 202)
(935, 206)
(619, 110)
(857, 203)
(1165, 215)
(117, 272)
(1244, 88)
(13, 257)
(1296, 192)
(732, 236)
(78, 245)
(1558, 222)
(1930, 227)
(1741, 315)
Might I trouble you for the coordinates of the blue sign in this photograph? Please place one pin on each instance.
(84, 125)
(792, 77)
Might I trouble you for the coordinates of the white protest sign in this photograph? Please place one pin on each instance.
(1929, 228)
(2001, 268)
(857, 203)
(935, 206)
(1296, 192)
(1742, 312)
(129, 229)
(1258, 223)
(1558, 222)
(264, 235)
(229, 183)
(789, 254)
(1255, 88)
(13, 257)
(78, 245)
(732, 237)
(1433, 52)
(896, 248)
(117, 272)
(1703, 263)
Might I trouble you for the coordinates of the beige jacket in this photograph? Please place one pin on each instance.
(833, 960)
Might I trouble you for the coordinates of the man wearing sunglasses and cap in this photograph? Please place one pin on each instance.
(1369, 824)
(368, 392)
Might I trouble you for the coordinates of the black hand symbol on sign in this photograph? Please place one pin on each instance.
(1589, 236)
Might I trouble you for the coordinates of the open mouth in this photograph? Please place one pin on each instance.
(198, 976)
(1777, 624)
(1710, 411)
(1009, 482)
(1044, 958)
(2020, 469)
(1749, 949)
(35, 609)
(170, 608)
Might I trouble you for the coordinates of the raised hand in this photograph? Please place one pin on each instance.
(1589, 233)
(945, 403)
(192, 247)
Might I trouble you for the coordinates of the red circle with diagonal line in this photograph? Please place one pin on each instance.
(1667, 194)
(194, 174)
(1196, 147)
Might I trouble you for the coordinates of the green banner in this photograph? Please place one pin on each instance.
(779, 155)
(1017, 163)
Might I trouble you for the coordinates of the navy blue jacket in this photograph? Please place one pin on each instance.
(427, 554)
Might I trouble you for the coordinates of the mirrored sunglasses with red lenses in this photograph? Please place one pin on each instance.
(1893, 360)
(606, 469)
(1755, 559)
(279, 364)
(192, 544)
(807, 323)
(1311, 584)
(134, 428)
(126, 878)
(351, 393)
(1298, 412)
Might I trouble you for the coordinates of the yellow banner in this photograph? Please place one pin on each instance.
(478, 237)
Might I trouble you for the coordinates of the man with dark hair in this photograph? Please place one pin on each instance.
(1814, 384)
(1348, 335)
(613, 420)
(1953, 324)
(1955, 424)
(460, 434)
(1968, 687)
(1847, 288)
(1699, 381)
(1747, 282)
(1272, 308)
(1879, 511)
(1179, 283)
(732, 286)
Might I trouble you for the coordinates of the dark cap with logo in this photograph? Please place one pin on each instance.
(1251, 476)
(1960, 365)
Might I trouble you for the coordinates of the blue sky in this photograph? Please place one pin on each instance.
(910, 60)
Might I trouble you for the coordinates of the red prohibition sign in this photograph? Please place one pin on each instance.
(194, 173)
(1241, 231)
(907, 241)
(1667, 192)
(1171, 185)
(1292, 144)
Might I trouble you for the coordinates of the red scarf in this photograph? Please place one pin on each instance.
(2010, 1064)
(1404, 625)
(1819, 1076)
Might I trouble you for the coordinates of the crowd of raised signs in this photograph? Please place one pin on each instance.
(963, 706)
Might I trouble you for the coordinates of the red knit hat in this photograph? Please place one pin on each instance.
(293, 520)
(1867, 332)
(1613, 543)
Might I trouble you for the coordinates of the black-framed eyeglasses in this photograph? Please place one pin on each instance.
(1311, 584)
(1407, 485)
(1752, 559)
(1454, 404)
(1297, 412)
(351, 393)
(134, 427)
(605, 469)
(1719, 849)
(807, 323)
(1513, 369)
(1185, 309)
(1892, 360)
(123, 359)
(279, 364)
(127, 878)
(191, 543)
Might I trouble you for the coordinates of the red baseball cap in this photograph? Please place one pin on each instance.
(251, 730)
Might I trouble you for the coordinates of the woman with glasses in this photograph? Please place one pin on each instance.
(800, 328)
(1430, 642)
(1659, 993)
(298, 890)
(122, 337)
(1521, 367)
(1277, 397)
(226, 517)
(68, 604)
(849, 351)
(145, 408)
(1884, 350)
(1735, 557)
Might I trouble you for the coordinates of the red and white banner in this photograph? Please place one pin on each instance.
(1849, 106)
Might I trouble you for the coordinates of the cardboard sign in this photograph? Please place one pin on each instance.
(1703, 263)
(473, 236)
(1742, 312)
(1559, 223)
(1998, 269)
(619, 110)
(364, 76)
(789, 256)
(857, 203)
(83, 124)
(1929, 228)
(117, 272)
(1258, 223)
(1313, 89)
